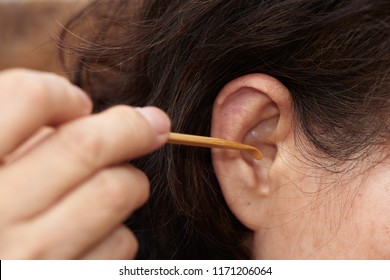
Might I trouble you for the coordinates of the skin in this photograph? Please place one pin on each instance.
(314, 214)
(295, 208)
(64, 188)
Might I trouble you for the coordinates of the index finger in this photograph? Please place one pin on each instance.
(77, 151)
(32, 99)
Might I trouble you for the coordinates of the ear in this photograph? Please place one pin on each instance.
(254, 109)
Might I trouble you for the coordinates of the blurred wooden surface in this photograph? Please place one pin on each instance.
(27, 29)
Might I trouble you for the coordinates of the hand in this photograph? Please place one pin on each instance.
(64, 191)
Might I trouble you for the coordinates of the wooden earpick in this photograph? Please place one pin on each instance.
(210, 142)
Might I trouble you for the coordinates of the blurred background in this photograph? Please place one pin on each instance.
(28, 29)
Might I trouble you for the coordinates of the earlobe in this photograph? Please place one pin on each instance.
(254, 109)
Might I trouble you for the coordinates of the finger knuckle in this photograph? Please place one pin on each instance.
(127, 244)
(82, 144)
(122, 110)
(30, 90)
(143, 184)
(88, 142)
(14, 73)
(132, 245)
(114, 191)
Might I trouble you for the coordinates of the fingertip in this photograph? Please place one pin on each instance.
(85, 100)
(157, 118)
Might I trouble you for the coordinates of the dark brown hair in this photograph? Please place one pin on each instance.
(332, 55)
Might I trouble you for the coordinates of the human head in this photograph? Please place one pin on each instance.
(312, 75)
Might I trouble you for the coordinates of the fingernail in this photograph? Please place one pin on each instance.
(157, 118)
